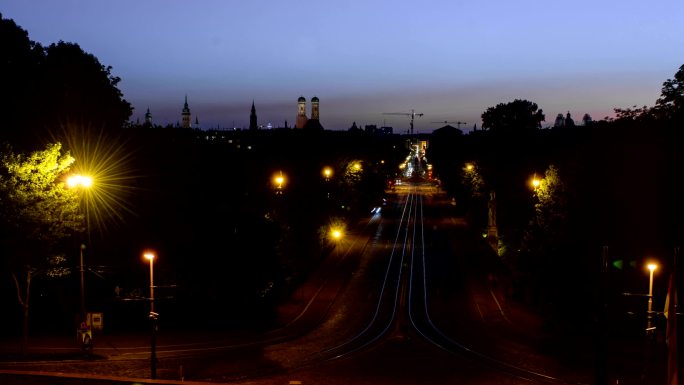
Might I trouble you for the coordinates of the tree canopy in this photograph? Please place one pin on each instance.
(45, 88)
(671, 101)
(669, 108)
(36, 208)
(37, 212)
(513, 117)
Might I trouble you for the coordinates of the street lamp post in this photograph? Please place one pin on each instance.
(82, 270)
(649, 317)
(85, 182)
(153, 319)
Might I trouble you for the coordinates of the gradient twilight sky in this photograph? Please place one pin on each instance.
(449, 59)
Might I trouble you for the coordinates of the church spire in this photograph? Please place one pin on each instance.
(253, 118)
(148, 117)
(185, 115)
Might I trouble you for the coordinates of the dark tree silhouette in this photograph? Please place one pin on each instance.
(671, 102)
(20, 59)
(48, 89)
(514, 117)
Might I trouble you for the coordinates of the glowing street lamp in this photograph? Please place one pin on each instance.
(469, 167)
(78, 180)
(336, 234)
(535, 182)
(85, 182)
(279, 180)
(150, 256)
(327, 173)
(649, 319)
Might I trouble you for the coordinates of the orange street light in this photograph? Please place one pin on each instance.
(84, 181)
(469, 167)
(649, 319)
(535, 182)
(279, 181)
(327, 172)
(336, 234)
(150, 256)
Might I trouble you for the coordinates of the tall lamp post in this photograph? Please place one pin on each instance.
(153, 319)
(649, 318)
(84, 182)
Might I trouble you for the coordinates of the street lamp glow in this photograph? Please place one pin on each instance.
(650, 328)
(327, 172)
(78, 180)
(535, 182)
(153, 317)
(336, 234)
(279, 180)
(470, 167)
(357, 166)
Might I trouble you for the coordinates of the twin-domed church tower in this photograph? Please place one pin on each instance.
(302, 120)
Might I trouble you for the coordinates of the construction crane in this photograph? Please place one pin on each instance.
(458, 124)
(411, 114)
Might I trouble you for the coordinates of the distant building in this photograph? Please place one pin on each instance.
(315, 112)
(370, 128)
(568, 120)
(560, 121)
(448, 130)
(148, 117)
(185, 115)
(253, 118)
(301, 120)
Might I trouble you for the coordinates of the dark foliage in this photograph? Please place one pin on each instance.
(517, 117)
(47, 91)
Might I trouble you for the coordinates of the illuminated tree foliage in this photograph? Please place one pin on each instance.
(472, 181)
(37, 213)
(551, 201)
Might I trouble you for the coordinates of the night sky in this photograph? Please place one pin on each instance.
(449, 59)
